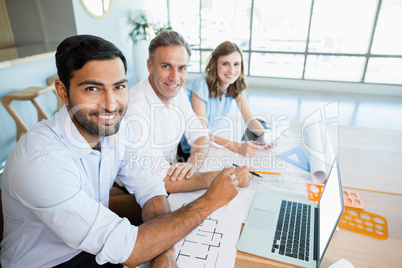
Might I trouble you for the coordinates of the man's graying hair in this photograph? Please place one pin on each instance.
(167, 38)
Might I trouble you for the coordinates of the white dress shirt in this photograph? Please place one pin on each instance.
(159, 128)
(56, 193)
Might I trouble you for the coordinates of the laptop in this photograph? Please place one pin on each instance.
(292, 230)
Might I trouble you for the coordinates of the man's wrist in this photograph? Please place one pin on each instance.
(210, 176)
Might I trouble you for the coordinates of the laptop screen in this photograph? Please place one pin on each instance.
(330, 209)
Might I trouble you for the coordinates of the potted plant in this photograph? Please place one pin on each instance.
(141, 33)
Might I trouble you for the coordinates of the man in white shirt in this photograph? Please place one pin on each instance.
(56, 182)
(160, 113)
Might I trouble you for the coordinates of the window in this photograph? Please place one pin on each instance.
(280, 25)
(332, 40)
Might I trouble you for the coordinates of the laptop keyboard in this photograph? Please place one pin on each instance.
(292, 236)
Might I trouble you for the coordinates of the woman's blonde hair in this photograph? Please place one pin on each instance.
(211, 71)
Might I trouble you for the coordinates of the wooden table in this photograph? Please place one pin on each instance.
(370, 163)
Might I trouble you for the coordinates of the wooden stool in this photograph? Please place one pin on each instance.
(26, 94)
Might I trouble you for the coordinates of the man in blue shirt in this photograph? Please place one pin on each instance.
(57, 180)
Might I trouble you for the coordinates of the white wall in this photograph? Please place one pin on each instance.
(112, 28)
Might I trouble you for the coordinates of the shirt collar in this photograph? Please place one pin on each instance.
(150, 93)
(153, 98)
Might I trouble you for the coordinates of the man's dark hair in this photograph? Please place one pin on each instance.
(75, 51)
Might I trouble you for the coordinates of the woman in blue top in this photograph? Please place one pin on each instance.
(212, 96)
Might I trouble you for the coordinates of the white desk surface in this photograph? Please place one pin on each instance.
(370, 164)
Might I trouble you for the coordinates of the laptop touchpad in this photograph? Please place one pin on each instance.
(261, 219)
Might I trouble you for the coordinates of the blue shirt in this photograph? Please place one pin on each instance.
(56, 193)
(216, 109)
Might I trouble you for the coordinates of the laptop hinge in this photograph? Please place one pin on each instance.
(316, 232)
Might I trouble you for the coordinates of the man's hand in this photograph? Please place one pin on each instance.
(179, 171)
(243, 175)
(223, 188)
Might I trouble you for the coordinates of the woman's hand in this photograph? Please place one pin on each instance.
(272, 145)
(248, 148)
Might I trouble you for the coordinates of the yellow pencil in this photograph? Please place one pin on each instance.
(266, 172)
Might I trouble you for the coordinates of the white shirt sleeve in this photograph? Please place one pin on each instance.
(144, 164)
(64, 207)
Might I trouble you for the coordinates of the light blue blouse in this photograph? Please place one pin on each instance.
(216, 109)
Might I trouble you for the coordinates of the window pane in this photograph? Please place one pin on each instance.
(388, 33)
(280, 25)
(223, 20)
(246, 55)
(204, 59)
(384, 70)
(194, 64)
(334, 68)
(338, 27)
(342, 26)
(185, 19)
(276, 65)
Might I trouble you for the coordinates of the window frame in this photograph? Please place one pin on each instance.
(367, 56)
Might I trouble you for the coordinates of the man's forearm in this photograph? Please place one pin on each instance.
(161, 233)
(156, 206)
(198, 181)
(167, 230)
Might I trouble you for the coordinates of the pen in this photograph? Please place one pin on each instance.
(252, 172)
(266, 172)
